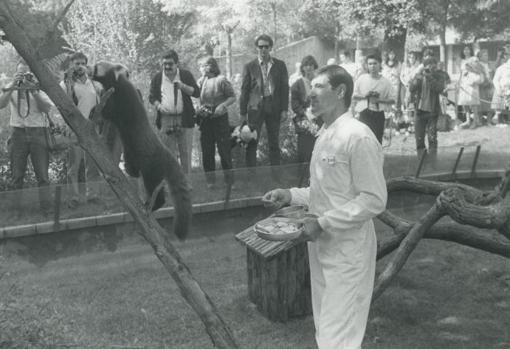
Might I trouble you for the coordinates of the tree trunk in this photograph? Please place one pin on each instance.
(151, 231)
(442, 33)
(229, 55)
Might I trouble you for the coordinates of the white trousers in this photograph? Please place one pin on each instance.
(341, 292)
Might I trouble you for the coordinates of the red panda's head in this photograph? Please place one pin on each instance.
(108, 73)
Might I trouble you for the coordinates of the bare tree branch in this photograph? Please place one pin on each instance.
(406, 247)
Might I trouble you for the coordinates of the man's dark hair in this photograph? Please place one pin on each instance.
(428, 52)
(336, 77)
(429, 60)
(78, 55)
(215, 68)
(308, 60)
(171, 54)
(264, 37)
(374, 56)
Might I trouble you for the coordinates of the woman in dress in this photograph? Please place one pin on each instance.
(305, 125)
(216, 94)
(471, 76)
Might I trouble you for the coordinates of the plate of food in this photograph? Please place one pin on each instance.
(278, 228)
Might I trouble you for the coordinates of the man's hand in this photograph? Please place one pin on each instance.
(277, 198)
(220, 110)
(183, 87)
(311, 229)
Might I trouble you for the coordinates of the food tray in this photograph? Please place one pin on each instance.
(278, 229)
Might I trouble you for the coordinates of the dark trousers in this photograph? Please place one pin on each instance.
(215, 132)
(256, 118)
(305, 144)
(25, 142)
(374, 120)
(425, 123)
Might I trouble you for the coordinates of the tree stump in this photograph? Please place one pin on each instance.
(278, 276)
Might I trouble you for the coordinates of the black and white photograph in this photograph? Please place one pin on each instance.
(254, 174)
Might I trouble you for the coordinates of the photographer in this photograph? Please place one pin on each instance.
(426, 86)
(374, 94)
(29, 123)
(216, 94)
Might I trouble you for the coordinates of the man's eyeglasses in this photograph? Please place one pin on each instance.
(263, 47)
(168, 64)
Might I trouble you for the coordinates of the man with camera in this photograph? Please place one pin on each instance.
(425, 87)
(28, 107)
(374, 94)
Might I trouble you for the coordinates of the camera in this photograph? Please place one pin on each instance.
(29, 77)
(28, 82)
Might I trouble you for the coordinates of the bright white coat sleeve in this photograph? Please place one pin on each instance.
(300, 196)
(368, 182)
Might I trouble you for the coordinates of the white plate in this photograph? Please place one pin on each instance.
(278, 229)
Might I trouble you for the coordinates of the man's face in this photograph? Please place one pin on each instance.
(80, 69)
(264, 49)
(323, 98)
(22, 68)
(374, 66)
(169, 66)
(80, 62)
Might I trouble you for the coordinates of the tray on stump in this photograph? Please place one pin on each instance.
(278, 276)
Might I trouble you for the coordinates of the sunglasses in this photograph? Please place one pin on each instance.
(263, 46)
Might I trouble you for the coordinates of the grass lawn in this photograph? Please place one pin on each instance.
(77, 296)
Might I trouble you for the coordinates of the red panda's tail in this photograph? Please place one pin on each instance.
(181, 197)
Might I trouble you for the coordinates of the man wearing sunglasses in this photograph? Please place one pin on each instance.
(264, 99)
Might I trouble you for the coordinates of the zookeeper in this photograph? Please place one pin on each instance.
(347, 189)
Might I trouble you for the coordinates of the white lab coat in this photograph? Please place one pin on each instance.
(347, 189)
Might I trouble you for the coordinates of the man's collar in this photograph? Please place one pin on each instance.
(271, 61)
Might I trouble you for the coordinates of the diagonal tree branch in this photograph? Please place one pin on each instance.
(406, 247)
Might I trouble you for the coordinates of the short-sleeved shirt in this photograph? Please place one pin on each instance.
(366, 83)
(26, 113)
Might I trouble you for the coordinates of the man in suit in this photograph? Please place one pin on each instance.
(170, 93)
(264, 98)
